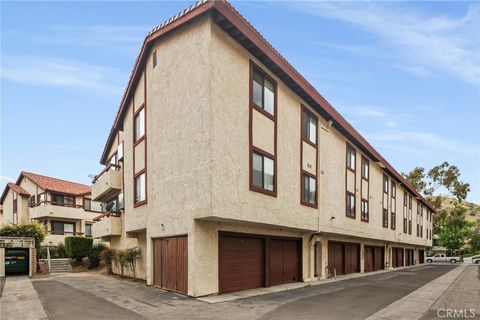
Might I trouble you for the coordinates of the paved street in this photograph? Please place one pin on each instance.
(377, 296)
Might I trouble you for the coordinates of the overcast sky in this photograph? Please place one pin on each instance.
(406, 75)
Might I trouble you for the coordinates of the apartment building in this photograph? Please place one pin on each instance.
(65, 208)
(233, 172)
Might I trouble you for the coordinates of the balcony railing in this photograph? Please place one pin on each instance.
(59, 233)
(110, 167)
(107, 214)
(53, 203)
(107, 184)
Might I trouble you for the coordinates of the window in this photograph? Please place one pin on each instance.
(405, 198)
(365, 168)
(31, 201)
(88, 230)
(154, 58)
(14, 205)
(364, 213)
(63, 228)
(139, 125)
(404, 225)
(394, 190)
(385, 184)
(393, 223)
(140, 194)
(41, 197)
(351, 155)
(263, 92)
(263, 172)
(62, 200)
(350, 212)
(309, 190)
(309, 127)
(87, 204)
(385, 218)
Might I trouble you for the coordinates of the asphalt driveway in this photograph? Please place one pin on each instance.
(92, 296)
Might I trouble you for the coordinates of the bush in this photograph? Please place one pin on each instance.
(108, 256)
(78, 247)
(55, 252)
(94, 255)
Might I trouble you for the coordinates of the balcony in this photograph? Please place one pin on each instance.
(45, 209)
(107, 225)
(107, 183)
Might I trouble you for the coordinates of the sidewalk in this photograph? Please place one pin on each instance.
(419, 302)
(20, 300)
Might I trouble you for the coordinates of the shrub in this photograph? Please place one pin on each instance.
(78, 247)
(108, 256)
(131, 257)
(94, 255)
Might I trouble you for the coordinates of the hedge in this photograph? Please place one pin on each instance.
(78, 247)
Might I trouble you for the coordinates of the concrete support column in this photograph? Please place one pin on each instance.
(404, 260)
(324, 258)
(312, 263)
(149, 254)
(362, 257)
(82, 227)
(388, 257)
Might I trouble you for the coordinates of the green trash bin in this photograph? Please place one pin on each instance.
(16, 261)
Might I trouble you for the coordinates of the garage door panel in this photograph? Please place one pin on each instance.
(241, 263)
(369, 259)
(171, 264)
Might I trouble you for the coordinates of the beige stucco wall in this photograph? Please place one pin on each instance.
(198, 161)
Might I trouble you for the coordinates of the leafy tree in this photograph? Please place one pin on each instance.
(475, 238)
(454, 230)
(94, 255)
(416, 177)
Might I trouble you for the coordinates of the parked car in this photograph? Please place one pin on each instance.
(476, 259)
(440, 257)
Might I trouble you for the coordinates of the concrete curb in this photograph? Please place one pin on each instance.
(414, 305)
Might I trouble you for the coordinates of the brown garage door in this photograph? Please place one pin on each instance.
(241, 263)
(409, 257)
(283, 261)
(336, 258)
(170, 263)
(421, 256)
(397, 257)
(379, 258)
(369, 259)
(352, 258)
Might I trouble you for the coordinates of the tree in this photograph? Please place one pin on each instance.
(416, 178)
(454, 230)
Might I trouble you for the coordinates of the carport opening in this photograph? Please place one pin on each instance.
(16, 261)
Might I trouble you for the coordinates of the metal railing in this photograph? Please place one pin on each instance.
(106, 215)
(105, 170)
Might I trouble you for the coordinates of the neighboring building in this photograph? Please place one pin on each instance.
(232, 172)
(65, 208)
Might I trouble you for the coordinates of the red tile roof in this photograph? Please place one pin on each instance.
(56, 185)
(249, 32)
(18, 189)
(14, 187)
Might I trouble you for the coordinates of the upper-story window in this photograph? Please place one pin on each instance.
(263, 92)
(88, 230)
(31, 201)
(62, 200)
(385, 184)
(365, 168)
(140, 190)
(394, 190)
(309, 127)
(405, 197)
(350, 205)
(364, 213)
(87, 204)
(139, 125)
(15, 206)
(154, 58)
(351, 157)
(309, 190)
(263, 172)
